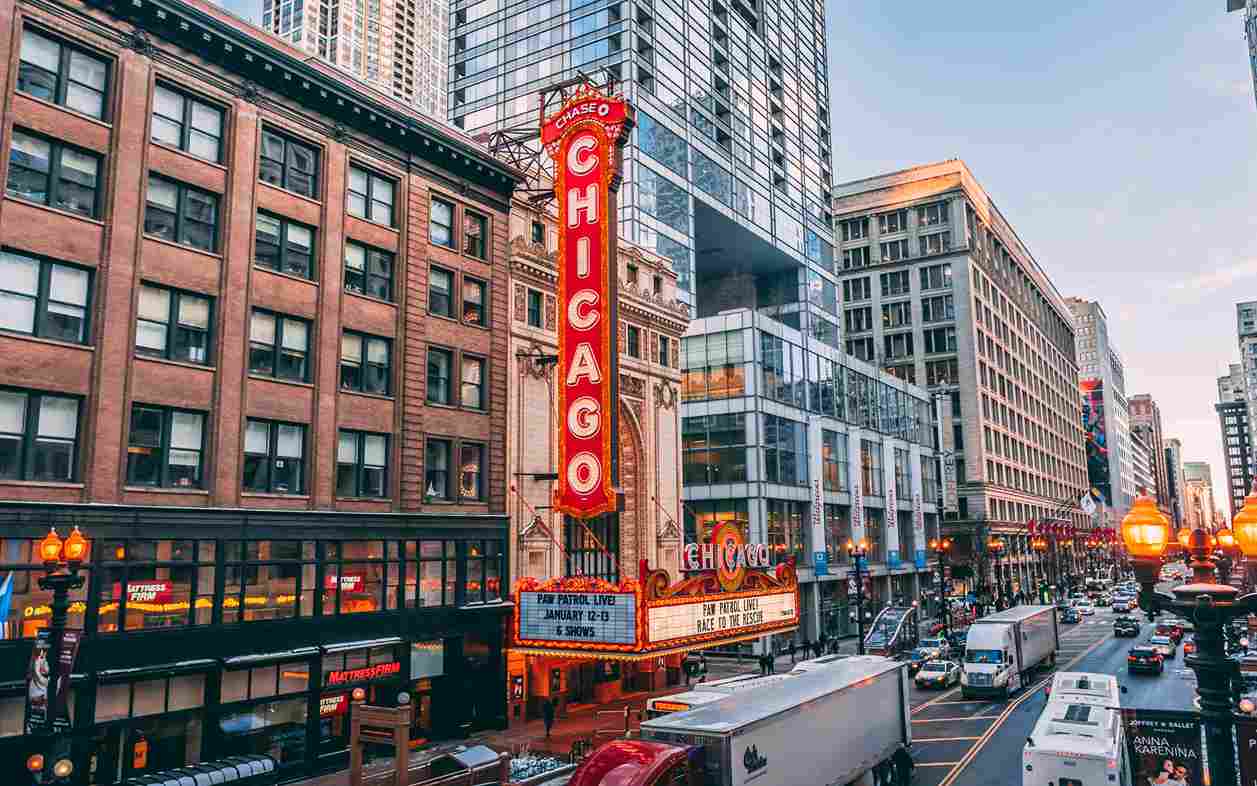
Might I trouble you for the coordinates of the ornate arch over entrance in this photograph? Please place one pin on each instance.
(634, 480)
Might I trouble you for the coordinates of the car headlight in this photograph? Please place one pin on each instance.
(1001, 678)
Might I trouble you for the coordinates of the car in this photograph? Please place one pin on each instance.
(1071, 617)
(938, 673)
(1144, 658)
(1189, 645)
(935, 643)
(957, 640)
(1164, 645)
(1125, 626)
(1105, 599)
(921, 655)
(1085, 608)
(1124, 603)
(1171, 629)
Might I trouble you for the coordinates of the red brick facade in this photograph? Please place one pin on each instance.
(110, 376)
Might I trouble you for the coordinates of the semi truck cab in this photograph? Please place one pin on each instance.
(989, 660)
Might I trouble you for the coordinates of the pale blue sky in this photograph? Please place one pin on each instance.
(1117, 138)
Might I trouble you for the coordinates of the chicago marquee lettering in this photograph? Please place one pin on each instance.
(709, 556)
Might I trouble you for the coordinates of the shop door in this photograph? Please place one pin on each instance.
(104, 766)
(580, 683)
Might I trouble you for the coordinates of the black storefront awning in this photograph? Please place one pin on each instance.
(160, 670)
(257, 659)
(345, 646)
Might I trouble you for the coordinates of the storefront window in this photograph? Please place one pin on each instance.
(124, 751)
(436, 562)
(484, 572)
(874, 533)
(30, 608)
(786, 537)
(871, 468)
(119, 700)
(902, 485)
(268, 579)
(354, 576)
(837, 533)
(834, 460)
(276, 728)
(155, 583)
(12, 716)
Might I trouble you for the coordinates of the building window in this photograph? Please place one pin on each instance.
(279, 346)
(437, 471)
(932, 214)
(289, 164)
(859, 319)
(274, 457)
(53, 174)
(368, 271)
(173, 324)
(894, 221)
(63, 75)
(364, 363)
(181, 214)
(634, 341)
(897, 346)
(857, 289)
(361, 464)
(165, 447)
(470, 472)
(861, 348)
(534, 308)
(38, 436)
(870, 468)
(896, 314)
(371, 196)
(284, 245)
(473, 382)
(440, 366)
(475, 301)
(484, 572)
(941, 372)
(589, 546)
(940, 340)
(538, 232)
(43, 298)
(894, 251)
(475, 235)
(936, 243)
(441, 292)
(937, 309)
(665, 350)
(853, 258)
(785, 451)
(855, 229)
(188, 124)
(713, 449)
(936, 277)
(441, 223)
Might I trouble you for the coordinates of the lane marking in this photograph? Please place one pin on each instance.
(972, 753)
(954, 720)
(936, 763)
(943, 739)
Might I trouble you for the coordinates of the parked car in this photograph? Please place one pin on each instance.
(1189, 645)
(1071, 617)
(1164, 645)
(1125, 626)
(938, 674)
(1171, 629)
(1145, 658)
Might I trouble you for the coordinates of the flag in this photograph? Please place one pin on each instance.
(1030, 527)
(1087, 503)
(6, 600)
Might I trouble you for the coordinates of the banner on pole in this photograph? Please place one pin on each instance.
(1164, 746)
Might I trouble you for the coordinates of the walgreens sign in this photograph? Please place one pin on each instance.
(586, 140)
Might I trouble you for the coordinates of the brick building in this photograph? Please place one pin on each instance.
(652, 321)
(254, 331)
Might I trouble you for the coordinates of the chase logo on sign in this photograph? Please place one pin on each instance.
(753, 761)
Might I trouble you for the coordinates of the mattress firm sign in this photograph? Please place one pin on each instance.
(582, 617)
(712, 616)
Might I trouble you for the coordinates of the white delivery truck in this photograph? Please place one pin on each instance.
(1079, 737)
(707, 692)
(1002, 649)
(829, 727)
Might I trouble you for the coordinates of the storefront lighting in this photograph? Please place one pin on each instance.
(63, 768)
(35, 762)
(50, 547)
(75, 547)
(359, 694)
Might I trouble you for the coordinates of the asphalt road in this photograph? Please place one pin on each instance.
(979, 743)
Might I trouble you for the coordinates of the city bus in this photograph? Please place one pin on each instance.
(1079, 738)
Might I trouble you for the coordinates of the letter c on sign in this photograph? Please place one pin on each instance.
(577, 162)
(584, 473)
(583, 417)
(583, 318)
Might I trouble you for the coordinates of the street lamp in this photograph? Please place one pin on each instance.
(1226, 547)
(940, 547)
(62, 560)
(996, 547)
(1208, 604)
(1040, 546)
(857, 552)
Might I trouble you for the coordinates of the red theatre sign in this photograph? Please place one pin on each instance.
(586, 140)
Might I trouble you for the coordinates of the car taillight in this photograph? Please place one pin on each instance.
(1132, 659)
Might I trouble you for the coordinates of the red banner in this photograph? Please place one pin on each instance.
(350, 582)
(147, 591)
(586, 139)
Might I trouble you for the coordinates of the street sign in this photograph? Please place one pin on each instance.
(820, 563)
(852, 589)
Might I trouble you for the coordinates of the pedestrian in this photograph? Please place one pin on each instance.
(547, 715)
(807, 649)
(702, 667)
(818, 649)
(687, 668)
(763, 665)
(904, 765)
(794, 648)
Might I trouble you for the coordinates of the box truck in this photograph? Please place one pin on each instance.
(830, 727)
(1002, 650)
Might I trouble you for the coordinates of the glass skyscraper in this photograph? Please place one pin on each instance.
(728, 172)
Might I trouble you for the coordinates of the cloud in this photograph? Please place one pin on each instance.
(1216, 278)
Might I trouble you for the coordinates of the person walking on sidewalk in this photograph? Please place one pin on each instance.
(794, 648)
(547, 715)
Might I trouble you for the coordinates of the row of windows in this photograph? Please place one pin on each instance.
(40, 441)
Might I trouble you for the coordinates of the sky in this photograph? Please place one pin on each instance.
(1119, 140)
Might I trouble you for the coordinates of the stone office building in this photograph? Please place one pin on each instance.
(255, 333)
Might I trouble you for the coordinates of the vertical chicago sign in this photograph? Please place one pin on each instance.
(586, 140)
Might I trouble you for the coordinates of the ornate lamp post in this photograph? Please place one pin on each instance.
(858, 552)
(996, 546)
(1210, 605)
(941, 547)
(1040, 546)
(1226, 547)
(62, 561)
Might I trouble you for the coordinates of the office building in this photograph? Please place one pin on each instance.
(254, 354)
(1198, 504)
(728, 172)
(1232, 409)
(397, 47)
(1249, 7)
(1105, 411)
(1141, 463)
(1175, 480)
(1145, 420)
(938, 290)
